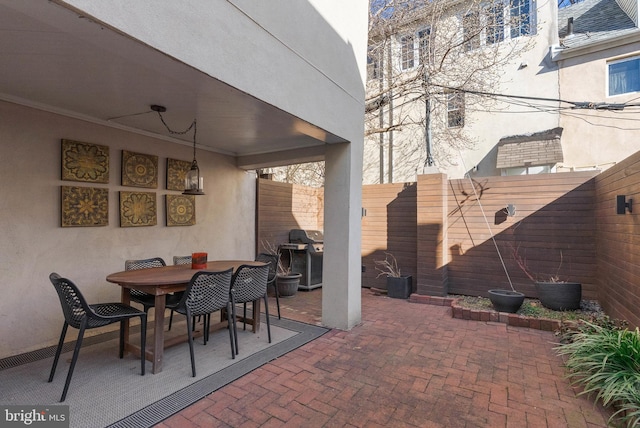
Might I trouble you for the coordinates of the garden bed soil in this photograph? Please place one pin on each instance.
(531, 315)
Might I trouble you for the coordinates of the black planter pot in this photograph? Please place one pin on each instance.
(288, 284)
(399, 287)
(506, 300)
(560, 296)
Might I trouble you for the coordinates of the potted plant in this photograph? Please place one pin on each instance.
(554, 292)
(398, 286)
(287, 281)
(506, 300)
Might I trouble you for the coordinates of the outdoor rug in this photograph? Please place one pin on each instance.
(106, 391)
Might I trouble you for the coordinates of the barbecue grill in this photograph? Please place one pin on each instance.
(305, 249)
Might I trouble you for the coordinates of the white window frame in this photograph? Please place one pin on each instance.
(484, 12)
(408, 63)
(375, 64)
(531, 5)
(619, 61)
(476, 41)
(456, 107)
(415, 49)
(528, 170)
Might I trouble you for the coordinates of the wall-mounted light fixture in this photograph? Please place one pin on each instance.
(511, 210)
(622, 204)
(193, 183)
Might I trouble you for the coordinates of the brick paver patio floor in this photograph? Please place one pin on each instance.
(405, 365)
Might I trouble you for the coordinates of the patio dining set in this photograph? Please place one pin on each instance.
(193, 290)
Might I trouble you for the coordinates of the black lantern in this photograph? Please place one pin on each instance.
(193, 182)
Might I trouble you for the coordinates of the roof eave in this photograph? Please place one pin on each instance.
(559, 54)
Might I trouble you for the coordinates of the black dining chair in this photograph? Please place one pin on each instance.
(147, 300)
(249, 284)
(273, 260)
(207, 292)
(79, 314)
(181, 260)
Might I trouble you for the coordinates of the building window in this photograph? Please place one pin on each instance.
(624, 76)
(424, 46)
(455, 109)
(415, 49)
(407, 53)
(374, 64)
(528, 170)
(471, 31)
(496, 22)
(520, 14)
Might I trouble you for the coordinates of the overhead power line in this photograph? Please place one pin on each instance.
(590, 105)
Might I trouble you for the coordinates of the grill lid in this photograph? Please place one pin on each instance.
(306, 236)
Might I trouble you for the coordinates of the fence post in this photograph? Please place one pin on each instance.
(432, 251)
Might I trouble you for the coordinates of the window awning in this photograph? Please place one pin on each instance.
(539, 148)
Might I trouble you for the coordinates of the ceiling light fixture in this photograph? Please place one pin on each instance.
(193, 183)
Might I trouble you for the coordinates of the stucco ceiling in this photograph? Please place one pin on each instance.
(57, 60)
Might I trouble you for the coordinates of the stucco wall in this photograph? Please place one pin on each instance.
(530, 74)
(596, 138)
(34, 244)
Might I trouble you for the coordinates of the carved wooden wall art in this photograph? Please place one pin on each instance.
(84, 206)
(176, 171)
(85, 162)
(139, 170)
(181, 210)
(138, 209)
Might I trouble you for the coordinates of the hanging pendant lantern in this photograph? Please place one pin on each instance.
(193, 182)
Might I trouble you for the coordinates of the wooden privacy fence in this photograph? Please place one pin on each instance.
(282, 207)
(441, 231)
(457, 236)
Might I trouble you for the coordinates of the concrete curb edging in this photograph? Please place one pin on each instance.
(514, 320)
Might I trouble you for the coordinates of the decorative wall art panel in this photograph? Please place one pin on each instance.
(138, 209)
(85, 206)
(176, 171)
(85, 162)
(181, 210)
(139, 170)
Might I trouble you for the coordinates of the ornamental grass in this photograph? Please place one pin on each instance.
(605, 361)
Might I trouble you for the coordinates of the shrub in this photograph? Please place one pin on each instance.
(605, 361)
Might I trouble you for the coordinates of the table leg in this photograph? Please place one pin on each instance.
(125, 297)
(256, 315)
(158, 334)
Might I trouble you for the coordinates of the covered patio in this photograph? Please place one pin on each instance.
(263, 92)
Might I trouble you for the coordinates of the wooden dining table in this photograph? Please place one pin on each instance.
(165, 280)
